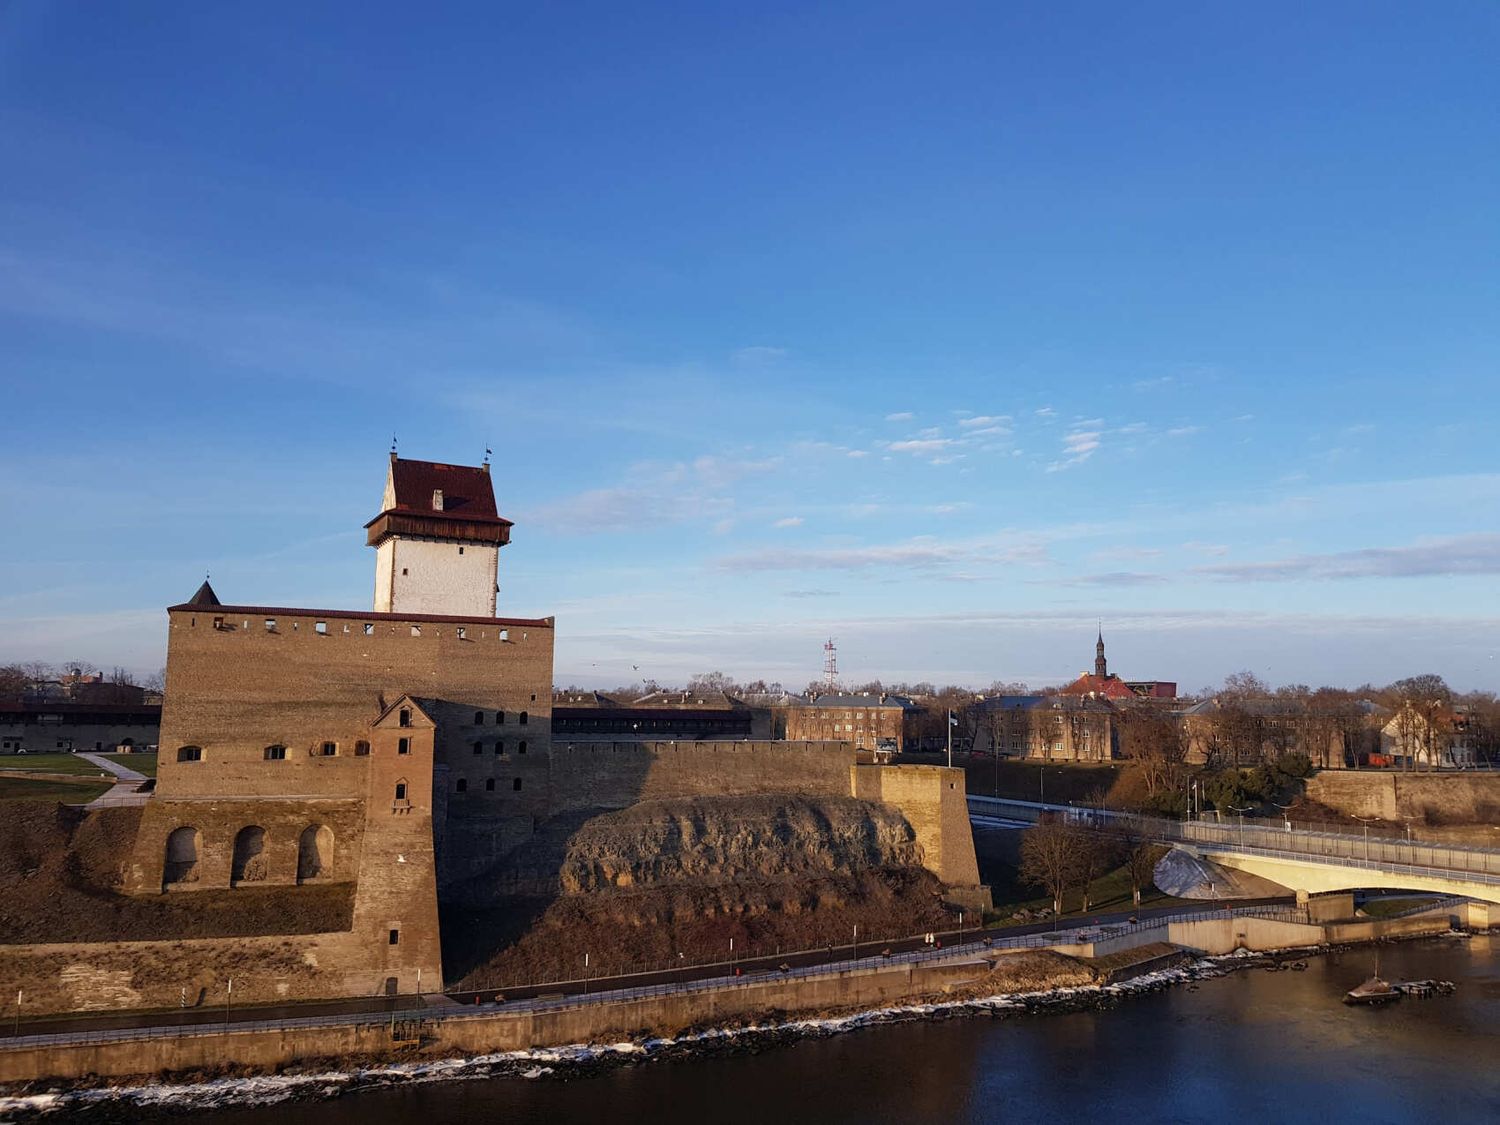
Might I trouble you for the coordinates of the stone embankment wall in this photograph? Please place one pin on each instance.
(498, 1031)
(1437, 798)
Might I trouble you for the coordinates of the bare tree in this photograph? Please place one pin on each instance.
(1157, 743)
(1096, 855)
(1050, 859)
(1424, 715)
(13, 683)
(1141, 855)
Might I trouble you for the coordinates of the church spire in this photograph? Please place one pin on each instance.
(1101, 668)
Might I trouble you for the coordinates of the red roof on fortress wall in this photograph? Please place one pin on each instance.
(354, 614)
(467, 491)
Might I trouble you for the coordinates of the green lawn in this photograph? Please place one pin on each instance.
(68, 792)
(141, 763)
(50, 763)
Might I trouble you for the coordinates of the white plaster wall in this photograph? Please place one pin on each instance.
(438, 578)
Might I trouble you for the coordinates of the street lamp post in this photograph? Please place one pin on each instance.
(1366, 824)
(1242, 812)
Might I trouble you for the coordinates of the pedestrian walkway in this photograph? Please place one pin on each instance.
(123, 792)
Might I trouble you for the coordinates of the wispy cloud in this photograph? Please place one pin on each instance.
(1454, 555)
(990, 421)
(1078, 447)
(758, 354)
(900, 416)
(656, 494)
(923, 553)
(921, 446)
(788, 521)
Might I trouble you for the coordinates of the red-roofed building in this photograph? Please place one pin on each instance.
(1102, 684)
(438, 538)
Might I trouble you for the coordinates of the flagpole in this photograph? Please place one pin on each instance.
(950, 738)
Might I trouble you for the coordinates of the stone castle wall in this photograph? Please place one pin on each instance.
(615, 775)
(933, 800)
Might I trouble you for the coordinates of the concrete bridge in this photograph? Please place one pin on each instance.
(1302, 861)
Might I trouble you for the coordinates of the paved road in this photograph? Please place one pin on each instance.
(123, 792)
(213, 1011)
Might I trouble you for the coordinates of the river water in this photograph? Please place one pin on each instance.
(1253, 1045)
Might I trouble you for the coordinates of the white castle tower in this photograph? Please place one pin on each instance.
(437, 540)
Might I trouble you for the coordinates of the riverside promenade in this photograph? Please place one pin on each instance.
(623, 1007)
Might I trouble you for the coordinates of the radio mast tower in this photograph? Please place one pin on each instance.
(830, 665)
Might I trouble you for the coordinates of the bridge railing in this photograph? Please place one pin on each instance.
(1346, 849)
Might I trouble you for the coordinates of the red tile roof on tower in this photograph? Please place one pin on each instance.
(467, 491)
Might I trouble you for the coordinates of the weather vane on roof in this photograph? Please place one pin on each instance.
(393, 441)
(487, 452)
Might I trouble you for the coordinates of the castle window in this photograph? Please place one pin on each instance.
(320, 627)
(346, 628)
(522, 720)
(479, 718)
(478, 747)
(437, 499)
(218, 623)
(416, 630)
(499, 718)
(270, 624)
(275, 753)
(516, 785)
(395, 937)
(330, 749)
(460, 550)
(405, 718)
(404, 746)
(521, 747)
(500, 746)
(505, 634)
(190, 753)
(400, 790)
(369, 629)
(404, 572)
(489, 784)
(463, 785)
(463, 634)
(361, 749)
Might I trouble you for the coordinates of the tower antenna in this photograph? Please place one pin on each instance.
(830, 665)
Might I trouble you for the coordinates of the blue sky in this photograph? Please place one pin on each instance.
(944, 330)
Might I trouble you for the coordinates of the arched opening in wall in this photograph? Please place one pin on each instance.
(522, 718)
(190, 753)
(401, 798)
(181, 864)
(361, 749)
(314, 852)
(249, 864)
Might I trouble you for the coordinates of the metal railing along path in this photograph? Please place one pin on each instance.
(1478, 864)
(1073, 935)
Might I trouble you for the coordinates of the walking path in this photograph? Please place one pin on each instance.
(123, 792)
